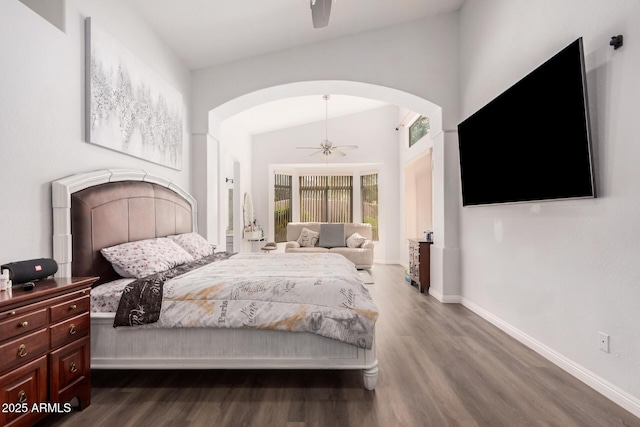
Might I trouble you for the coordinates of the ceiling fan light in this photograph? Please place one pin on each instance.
(327, 148)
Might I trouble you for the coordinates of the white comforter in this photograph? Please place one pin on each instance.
(318, 293)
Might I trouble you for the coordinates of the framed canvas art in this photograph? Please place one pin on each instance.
(128, 107)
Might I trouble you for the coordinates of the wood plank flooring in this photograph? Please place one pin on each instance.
(440, 365)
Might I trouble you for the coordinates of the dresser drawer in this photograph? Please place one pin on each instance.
(25, 385)
(70, 330)
(20, 324)
(25, 348)
(70, 308)
(70, 366)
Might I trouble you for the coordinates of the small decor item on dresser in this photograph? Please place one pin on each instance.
(428, 236)
(32, 269)
(4, 280)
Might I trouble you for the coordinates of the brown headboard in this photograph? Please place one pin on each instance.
(110, 213)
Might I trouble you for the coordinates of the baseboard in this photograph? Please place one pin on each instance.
(445, 299)
(602, 386)
(451, 299)
(387, 261)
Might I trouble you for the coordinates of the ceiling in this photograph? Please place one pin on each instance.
(296, 111)
(204, 33)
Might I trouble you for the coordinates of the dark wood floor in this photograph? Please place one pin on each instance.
(440, 365)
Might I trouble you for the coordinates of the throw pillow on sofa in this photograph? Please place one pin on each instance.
(331, 236)
(355, 240)
(308, 238)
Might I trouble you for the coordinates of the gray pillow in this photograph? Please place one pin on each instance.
(332, 236)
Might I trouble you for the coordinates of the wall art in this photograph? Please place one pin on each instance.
(128, 107)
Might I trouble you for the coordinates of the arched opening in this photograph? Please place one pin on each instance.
(213, 220)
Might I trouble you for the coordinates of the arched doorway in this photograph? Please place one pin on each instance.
(445, 253)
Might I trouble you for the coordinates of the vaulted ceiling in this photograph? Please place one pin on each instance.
(204, 33)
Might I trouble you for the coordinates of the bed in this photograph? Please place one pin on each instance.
(103, 208)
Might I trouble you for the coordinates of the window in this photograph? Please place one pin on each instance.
(326, 198)
(369, 195)
(282, 206)
(418, 129)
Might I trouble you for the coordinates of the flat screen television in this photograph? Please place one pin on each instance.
(532, 142)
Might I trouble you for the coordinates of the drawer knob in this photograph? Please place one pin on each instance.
(12, 313)
(24, 324)
(72, 329)
(22, 396)
(73, 307)
(73, 367)
(22, 350)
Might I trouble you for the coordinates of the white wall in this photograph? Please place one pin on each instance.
(561, 271)
(235, 149)
(418, 192)
(42, 113)
(374, 133)
(419, 57)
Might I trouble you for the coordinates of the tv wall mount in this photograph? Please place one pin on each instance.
(616, 41)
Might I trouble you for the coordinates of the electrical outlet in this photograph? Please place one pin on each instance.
(603, 342)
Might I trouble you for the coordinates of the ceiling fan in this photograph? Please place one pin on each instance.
(326, 147)
(320, 11)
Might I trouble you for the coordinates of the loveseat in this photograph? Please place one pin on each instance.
(361, 256)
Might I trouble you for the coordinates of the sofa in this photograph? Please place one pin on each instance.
(361, 256)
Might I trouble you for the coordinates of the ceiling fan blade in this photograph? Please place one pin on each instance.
(347, 147)
(316, 153)
(320, 11)
(307, 148)
(338, 153)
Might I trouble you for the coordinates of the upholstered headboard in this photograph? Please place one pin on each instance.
(118, 207)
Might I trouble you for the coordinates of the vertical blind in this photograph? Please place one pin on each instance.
(326, 198)
(282, 208)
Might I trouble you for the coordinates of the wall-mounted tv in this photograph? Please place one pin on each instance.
(532, 142)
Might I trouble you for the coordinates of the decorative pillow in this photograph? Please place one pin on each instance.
(355, 240)
(122, 272)
(193, 243)
(145, 257)
(331, 236)
(308, 238)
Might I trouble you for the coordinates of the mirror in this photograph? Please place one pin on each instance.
(248, 210)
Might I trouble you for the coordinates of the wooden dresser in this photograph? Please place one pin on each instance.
(44, 349)
(419, 264)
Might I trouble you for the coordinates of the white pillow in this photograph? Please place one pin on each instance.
(193, 243)
(146, 257)
(355, 240)
(308, 238)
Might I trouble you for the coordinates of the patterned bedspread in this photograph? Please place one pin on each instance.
(317, 293)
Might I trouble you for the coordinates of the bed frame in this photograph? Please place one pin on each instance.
(107, 207)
